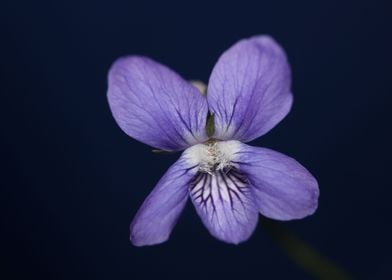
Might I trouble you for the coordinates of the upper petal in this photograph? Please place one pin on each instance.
(154, 105)
(224, 202)
(158, 214)
(283, 188)
(249, 89)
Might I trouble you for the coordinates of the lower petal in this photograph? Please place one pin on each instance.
(282, 187)
(224, 202)
(159, 213)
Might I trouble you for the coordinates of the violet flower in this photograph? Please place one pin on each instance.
(229, 182)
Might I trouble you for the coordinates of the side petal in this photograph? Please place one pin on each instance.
(249, 89)
(224, 203)
(283, 188)
(154, 105)
(158, 215)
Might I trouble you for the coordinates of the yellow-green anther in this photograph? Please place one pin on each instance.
(210, 127)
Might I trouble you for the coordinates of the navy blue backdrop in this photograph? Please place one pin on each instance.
(71, 180)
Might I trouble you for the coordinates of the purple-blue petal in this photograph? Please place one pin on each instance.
(249, 89)
(160, 211)
(224, 202)
(283, 189)
(154, 105)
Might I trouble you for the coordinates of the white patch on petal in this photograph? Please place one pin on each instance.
(192, 138)
(223, 132)
(229, 149)
(213, 155)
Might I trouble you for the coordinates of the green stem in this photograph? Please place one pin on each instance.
(163, 152)
(304, 255)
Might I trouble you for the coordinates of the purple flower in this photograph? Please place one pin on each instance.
(229, 182)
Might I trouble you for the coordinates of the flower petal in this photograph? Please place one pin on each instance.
(154, 105)
(224, 203)
(158, 215)
(249, 89)
(283, 188)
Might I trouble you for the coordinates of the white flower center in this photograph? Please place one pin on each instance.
(213, 155)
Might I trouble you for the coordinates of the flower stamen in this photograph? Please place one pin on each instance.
(214, 158)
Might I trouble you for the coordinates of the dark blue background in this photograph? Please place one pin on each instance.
(72, 180)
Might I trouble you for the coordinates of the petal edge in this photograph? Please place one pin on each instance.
(283, 188)
(160, 211)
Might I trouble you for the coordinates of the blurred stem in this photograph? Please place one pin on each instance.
(163, 152)
(304, 255)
